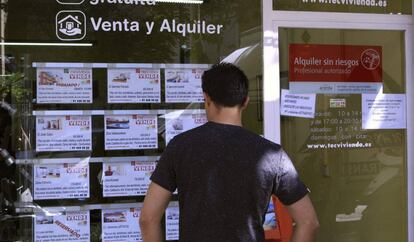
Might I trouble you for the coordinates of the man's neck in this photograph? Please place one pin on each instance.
(225, 115)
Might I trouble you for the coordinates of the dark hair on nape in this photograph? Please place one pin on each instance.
(226, 85)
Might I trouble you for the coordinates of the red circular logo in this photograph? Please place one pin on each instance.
(370, 59)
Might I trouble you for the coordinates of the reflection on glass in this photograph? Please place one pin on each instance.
(357, 176)
(114, 52)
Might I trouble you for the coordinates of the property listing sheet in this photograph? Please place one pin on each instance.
(63, 133)
(140, 85)
(124, 132)
(65, 226)
(121, 225)
(183, 85)
(64, 85)
(177, 122)
(172, 216)
(127, 178)
(61, 181)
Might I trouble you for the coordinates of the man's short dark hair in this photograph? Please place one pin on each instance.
(226, 85)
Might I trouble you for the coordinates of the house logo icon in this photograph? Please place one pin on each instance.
(70, 25)
(72, 2)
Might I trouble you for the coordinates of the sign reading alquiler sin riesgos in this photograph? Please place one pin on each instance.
(335, 69)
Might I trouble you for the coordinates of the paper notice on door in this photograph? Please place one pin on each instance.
(183, 86)
(64, 85)
(121, 225)
(140, 85)
(123, 132)
(384, 111)
(297, 105)
(172, 217)
(63, 133)
(178, 122)
(68, 226)
(127, 178)
(61, 181)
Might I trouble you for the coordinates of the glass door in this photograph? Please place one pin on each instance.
(343, 123)
(337, 96)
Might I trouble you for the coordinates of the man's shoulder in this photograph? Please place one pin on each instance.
(245, 137)
(188, 135)
(262, 141)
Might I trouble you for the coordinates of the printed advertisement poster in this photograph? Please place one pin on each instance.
(172, 216)
(61, 181)
(176, 124)
(123, 132)
(127, 178)
(335, 69)
(60, 85)
(63, 133)
(140, 85)
(121, 225)
(297, 105)
(183, 86)
(68, 226)
(383, 111)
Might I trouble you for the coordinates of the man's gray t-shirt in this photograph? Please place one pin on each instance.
(225, 176)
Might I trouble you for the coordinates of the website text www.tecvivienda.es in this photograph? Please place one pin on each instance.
(368, 3)
(339, 145)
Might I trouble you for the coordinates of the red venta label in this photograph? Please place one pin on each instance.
(79, 74)
(148, 75)
(143, 166)
(76, 217)
(149, 167)
(335, 63)
(145, 121)
(78, 122)
(76, 169)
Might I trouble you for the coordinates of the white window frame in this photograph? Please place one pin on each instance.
(273, 20)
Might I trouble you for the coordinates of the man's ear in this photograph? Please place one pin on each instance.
(207, 99)
(246, 102)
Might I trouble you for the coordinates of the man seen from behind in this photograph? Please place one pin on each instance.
(225, 174)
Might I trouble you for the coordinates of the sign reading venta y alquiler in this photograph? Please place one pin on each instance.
(72, 25)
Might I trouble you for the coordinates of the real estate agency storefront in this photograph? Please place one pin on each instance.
(94, 90)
